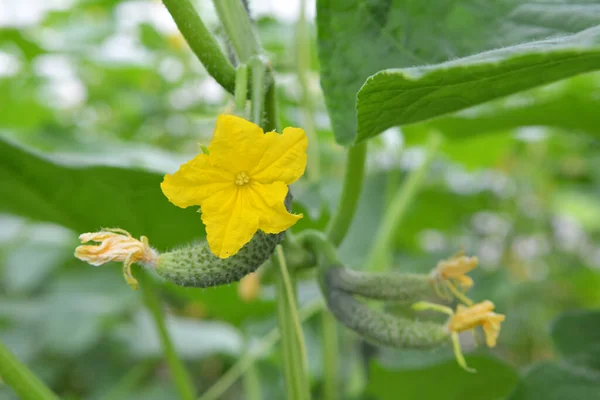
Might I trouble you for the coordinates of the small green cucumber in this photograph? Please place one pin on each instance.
(196, 266)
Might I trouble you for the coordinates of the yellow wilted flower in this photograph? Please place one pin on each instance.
(453, 271)
(467, 318)
(480, 314)
(116, 245)
(242, 183)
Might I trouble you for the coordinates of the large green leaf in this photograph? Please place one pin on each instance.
(89, 198)
(550, 381)
(442, 55)
(576, 336)
(571, 105)
(494, 380)
(577, 376)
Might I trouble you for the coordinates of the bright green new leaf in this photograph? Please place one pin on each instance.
(443, 60)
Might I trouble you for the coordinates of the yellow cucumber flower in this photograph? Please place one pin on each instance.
(465, 319)
(480, 314)
(452, 272)
(241, 183)
(116, 245)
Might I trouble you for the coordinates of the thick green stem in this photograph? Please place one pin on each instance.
(293, 339)
(400, 203)
(241, 89)
(331, 356)
(318, 243)
(287, 339)
(271, 121)
(183, 382)
(202, 43)
(257, 70)
(292, 307)
(16, 375)
(353, 181)
(238, 26)
(257, 351)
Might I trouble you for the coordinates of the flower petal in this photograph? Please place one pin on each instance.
(237, 144)
(283, 158)
(195, 181)
(268, 200)
(230, 221)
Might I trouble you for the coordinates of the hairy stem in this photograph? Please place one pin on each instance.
(271, 121)
(241, 89)
(202, 43)
(331, 356)
(238, 26)
(292, 385)
(353, 181)
(257, 70)
(183, 381)
(318, 243)
(292, 307)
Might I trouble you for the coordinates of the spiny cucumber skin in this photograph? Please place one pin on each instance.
(382, 328)
(197, 266)
(379, 327)
(397, 287)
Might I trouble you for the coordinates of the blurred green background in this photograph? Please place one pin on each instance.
(108, 94)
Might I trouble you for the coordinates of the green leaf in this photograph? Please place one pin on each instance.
(89, 198)
(576, 337)
(494, 380)
(553, 106)
(435, 55)
(550, 381)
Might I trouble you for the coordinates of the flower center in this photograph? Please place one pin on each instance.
(241, 179)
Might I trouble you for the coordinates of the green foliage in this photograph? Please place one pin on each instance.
(86, 199)
(444, 67)
(550, 381)
(552, 106)
(575, 335)
(577, 376)
(494, 380)
(99, 99)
